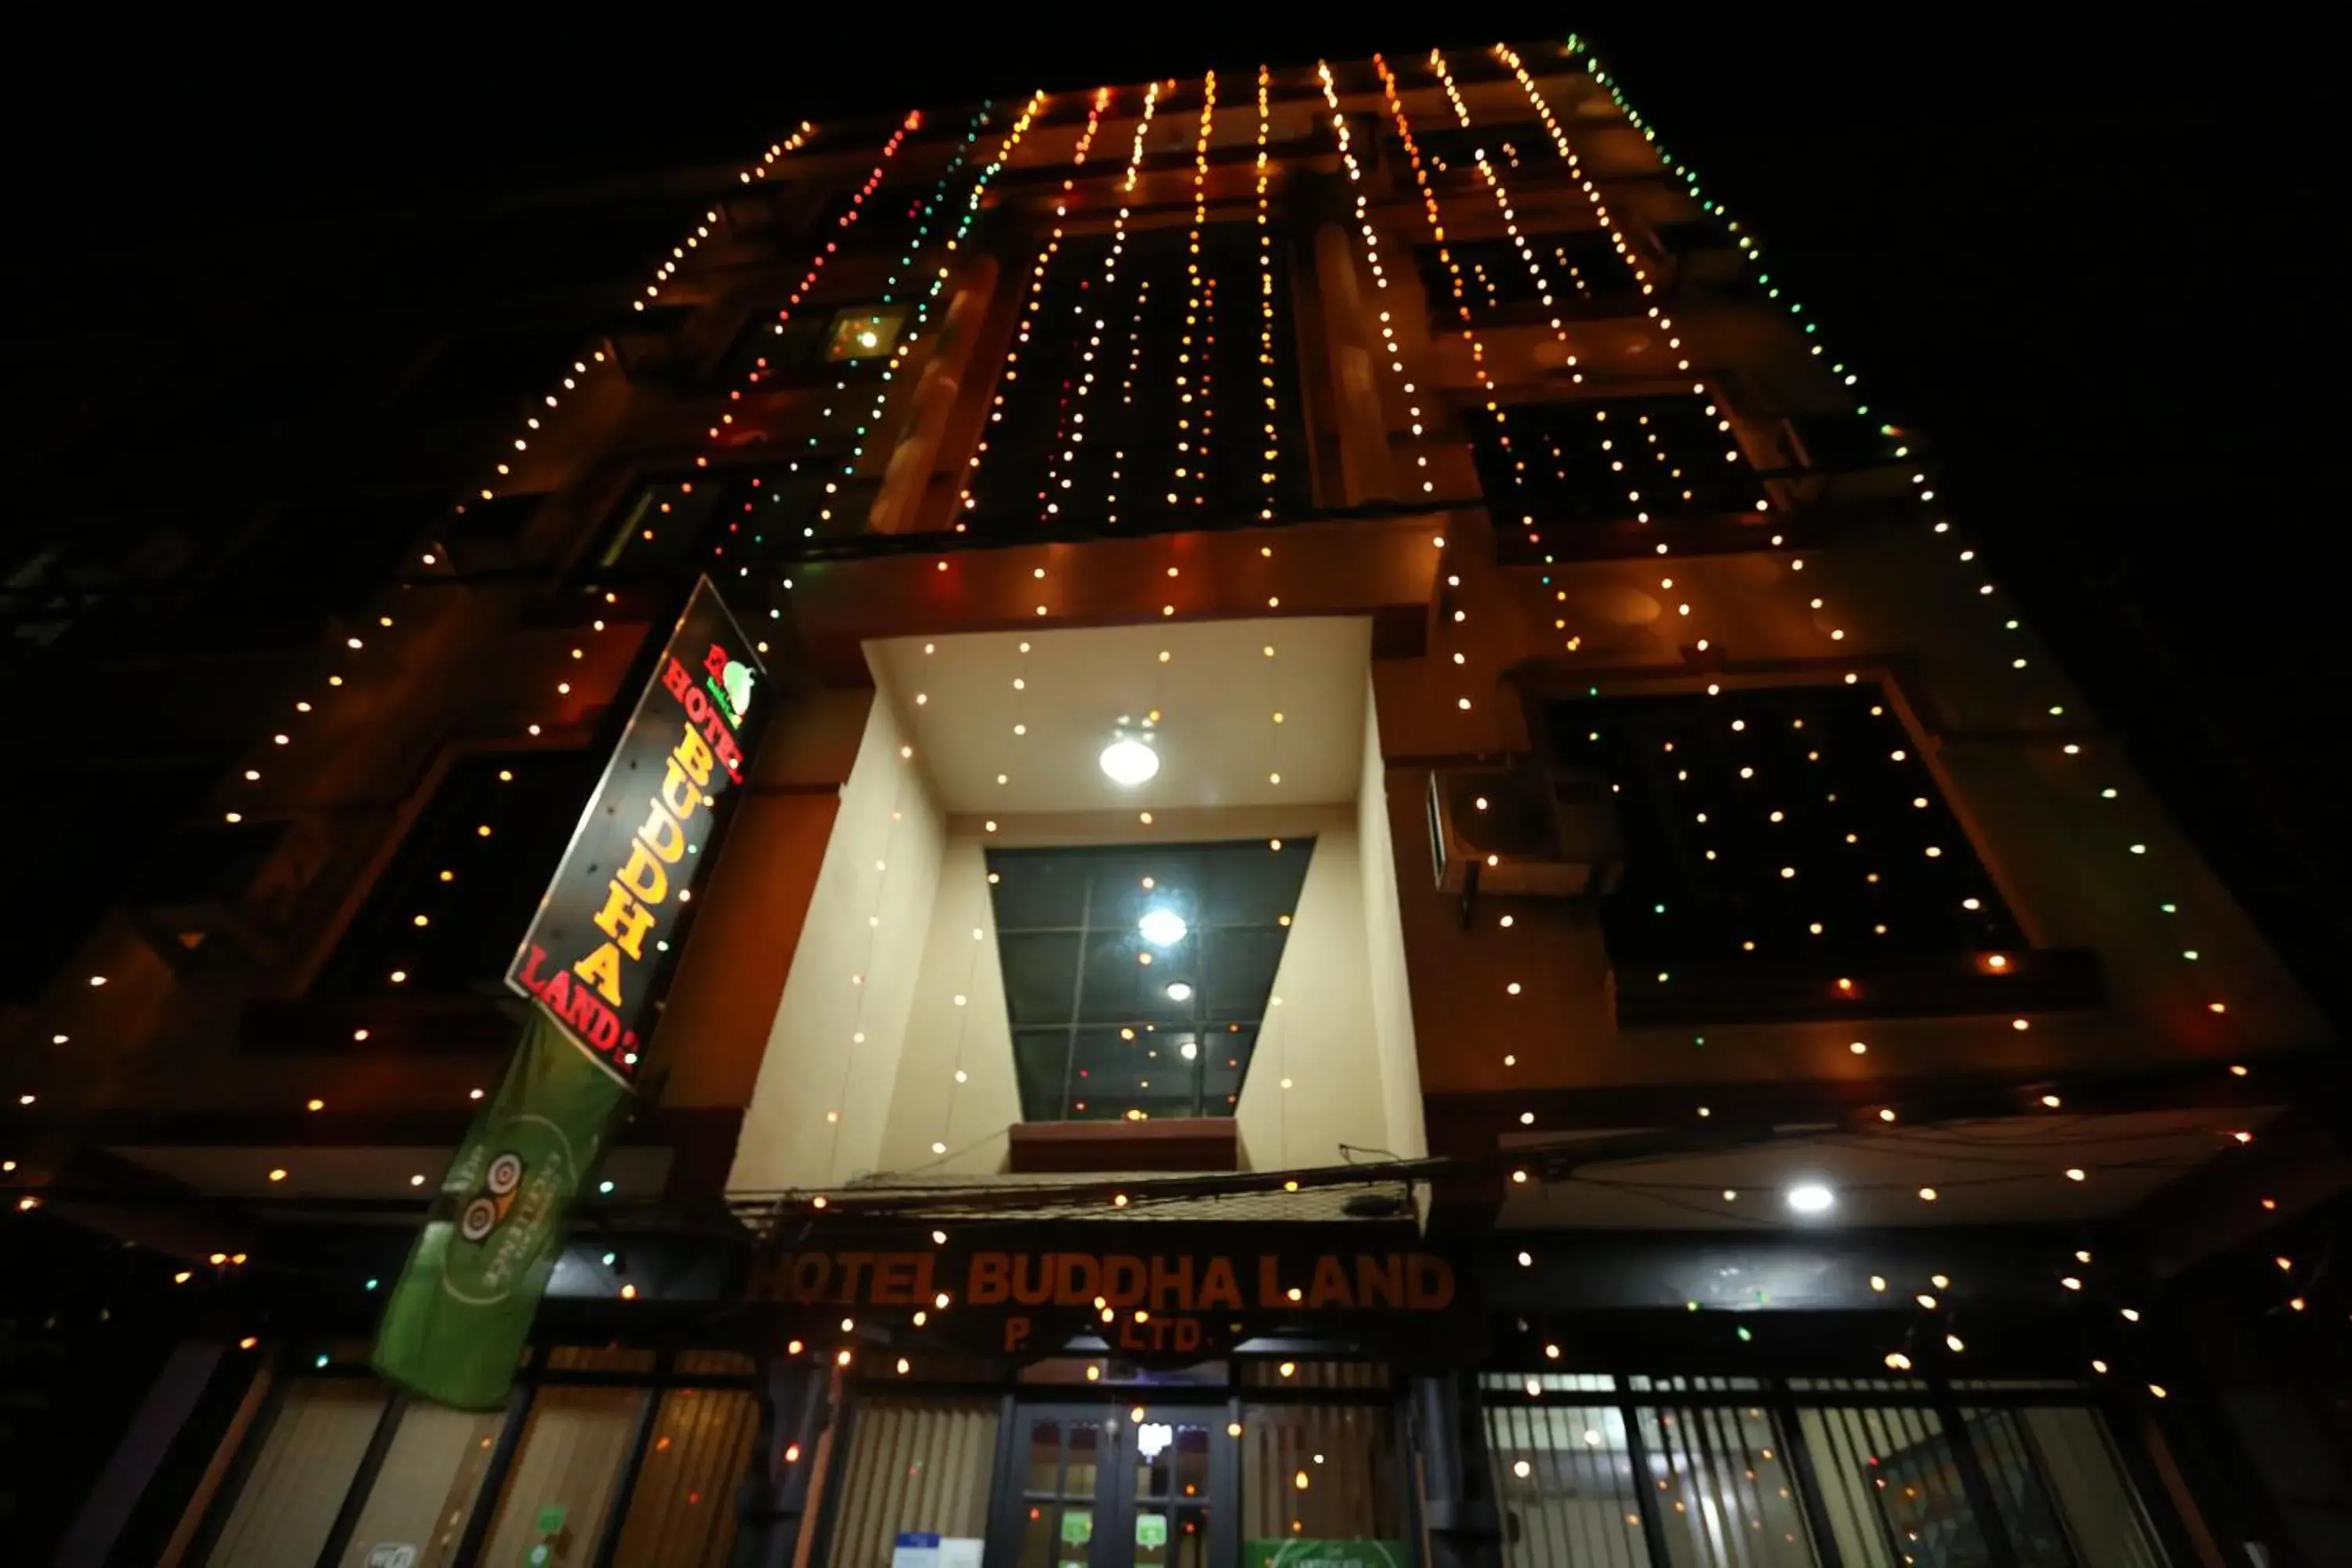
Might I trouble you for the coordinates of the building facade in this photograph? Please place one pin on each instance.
(1290, 980)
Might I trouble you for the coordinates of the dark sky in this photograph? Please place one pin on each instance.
(2096, 265)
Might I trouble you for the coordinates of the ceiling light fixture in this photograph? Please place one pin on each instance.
(1162, 928)
(1811, 1198)
(1129, 762)
(1179, 991)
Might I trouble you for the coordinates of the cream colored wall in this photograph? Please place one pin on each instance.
(1322, 1036)
(1384, 963)
(854, 974)
(928, 1106)
(1315, 1081)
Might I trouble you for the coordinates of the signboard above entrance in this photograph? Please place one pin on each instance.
(601, 935)
(1166, 1291)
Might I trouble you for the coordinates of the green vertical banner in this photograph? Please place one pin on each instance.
(461, 1311)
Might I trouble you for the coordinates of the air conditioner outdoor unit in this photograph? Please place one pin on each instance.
(1525, 830)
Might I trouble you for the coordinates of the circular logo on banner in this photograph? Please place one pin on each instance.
(512, 1200)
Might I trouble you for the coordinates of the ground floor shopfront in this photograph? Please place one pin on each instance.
(1480, 1431)
(623, 1455)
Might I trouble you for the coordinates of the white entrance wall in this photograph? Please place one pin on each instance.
(830, 1106)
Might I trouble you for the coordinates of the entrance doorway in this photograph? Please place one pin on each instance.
(1140, 1485)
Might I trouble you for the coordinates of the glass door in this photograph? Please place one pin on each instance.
(1172, 1492)
(1060, 1468)
(1132, 1485)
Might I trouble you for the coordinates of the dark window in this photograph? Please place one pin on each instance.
(1137, 977)
(448, 911)
(1785, 823)
(715, 516)
(1635, 460)
(1172, 410)
(661, 521)
(1525, 279)
(1445, 148)
(492, 370)
(812, 347)
(864, 332)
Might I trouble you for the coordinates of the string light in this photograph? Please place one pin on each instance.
(1266, 359)
(1033, 300)
(1194, 364)
(913, 333)
(1390, 351)
(1073, 433)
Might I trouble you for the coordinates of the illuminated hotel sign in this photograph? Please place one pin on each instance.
(601, 937)
(1181, 1296)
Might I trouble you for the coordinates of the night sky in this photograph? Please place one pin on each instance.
(2092, 264)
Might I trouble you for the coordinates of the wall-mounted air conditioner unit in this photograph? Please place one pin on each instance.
(1525, 830)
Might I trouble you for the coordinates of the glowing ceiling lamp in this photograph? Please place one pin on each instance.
(1162, 928)
(1128, 760)
(1812, 1197)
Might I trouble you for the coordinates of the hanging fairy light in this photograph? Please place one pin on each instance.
(665, 272)
(1510, 219)
(1190, 467)
(1032, 301)
(1391, 352)
(1073, 433)
(1265, 359)
(1751, 251)
(862, 426)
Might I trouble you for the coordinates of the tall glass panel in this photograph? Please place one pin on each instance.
(914, 1463)
(682, 1508)
(565, 1473)
(2055, 1477)
(297, 1481)
(1726, 1495)
(426, 1489)
(1565, 1483)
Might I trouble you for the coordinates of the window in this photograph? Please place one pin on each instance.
(615, 1454)
(865, 332)
(317, 1437)
(1319, 1472)
(1137, 977)
(1724, 1477)
(662, 522)
(426, 1488)
(1782, 823)
(1634, 460)
(1530, 278)
(919, 1463)
(492, 370)
(447, 912)
(1184, 367)
(1445, 148)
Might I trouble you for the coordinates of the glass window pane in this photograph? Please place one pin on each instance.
(682, 1508)
(1892, 1489)
(424, 1492)
(1070, 926)
(2038, 1460)
(1039, 987)
(1040, 1058)
(1036, 892)
(1320, 1473)
(1565, 1483)
(574, 1443)
(297, 1481)
(1724, 1491)
(917, 1463)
